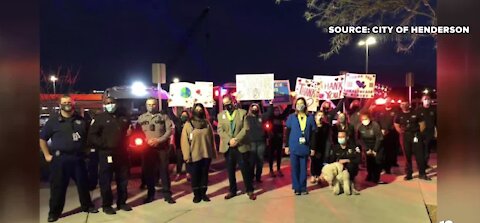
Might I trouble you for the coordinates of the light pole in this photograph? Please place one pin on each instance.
(54, 80)
(369, 41)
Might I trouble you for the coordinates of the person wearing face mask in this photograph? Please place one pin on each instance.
(301, 128)
(321, 142)
(429, 115)
(343, 125)
(178, 122)
(68, 133)
(410, 126)
(347, 154)
(369, 137)
(385, 117)
(157, 128)
(257, 136)
(355, 109)
(276, 138)
(109, 133)
(198, 148)
(329, 112)
(234, 143)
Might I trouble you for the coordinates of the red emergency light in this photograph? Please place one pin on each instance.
(138, 141)
(380, 101)
(267, 126)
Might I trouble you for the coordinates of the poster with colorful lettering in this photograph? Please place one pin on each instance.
(359, 85)
(254, 87)
(204, 93)
(307, 89)
(330, 87)
(181, 95)
(281, 92)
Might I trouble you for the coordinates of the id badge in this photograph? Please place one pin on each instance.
(415, 139)
(191, 136)
(76, 136)
(302, 140)
(92, 150)
(109, 159)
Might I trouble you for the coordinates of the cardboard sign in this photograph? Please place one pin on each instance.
(255, 87)
(307, 89)
(330, 87)
(204, 93)
(181, 95)
(281, 92)
(359, 85)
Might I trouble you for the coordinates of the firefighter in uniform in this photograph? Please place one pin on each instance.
(108, 134)
(158, 129)
(410, 126)
(67, 130)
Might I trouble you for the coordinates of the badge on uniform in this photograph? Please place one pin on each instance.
(302, 140)
(357, 150)
(108, 121)
(415, 139)
(350, 151)
(92, 150)
(76, 136)
(260, 120)
(109, 159)
(78, 122)
(57, 153)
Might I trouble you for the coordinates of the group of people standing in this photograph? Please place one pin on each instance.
(325, 137)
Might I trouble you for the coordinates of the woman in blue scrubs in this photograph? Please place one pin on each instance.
(300, 129)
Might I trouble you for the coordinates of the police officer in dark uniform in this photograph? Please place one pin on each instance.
(369, 136)
(385, 117)
(68, 132)
(410, 126)
(429, 115)
(158, 129)
(92, 164)
(109, 135)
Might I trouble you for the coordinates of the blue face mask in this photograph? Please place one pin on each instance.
(342, 141)
(110, 108)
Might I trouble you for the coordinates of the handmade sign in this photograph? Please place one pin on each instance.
(255, 87)
(307, 89)
(204, 93)
(181, 95)
(330, 87)
(281, 92)
(359, 85)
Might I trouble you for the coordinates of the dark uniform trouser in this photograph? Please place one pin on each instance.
(275, 147)
(199, 172)
(157, 160)
(415, 148)
(92, 170)
(373, 168)
(352, 170)
(63, 168)
(391, 144)
(427, 143)
(232, 157)
(119, 166)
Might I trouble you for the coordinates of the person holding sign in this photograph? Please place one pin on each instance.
(109, 134)
(234, 143)
(300, 130)
(198, 148)
(321, 142)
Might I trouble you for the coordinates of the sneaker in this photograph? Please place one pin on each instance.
(124, 207)
(408, 177)
(109, 210)
(304, 192)
(297, 193)
(229, 196)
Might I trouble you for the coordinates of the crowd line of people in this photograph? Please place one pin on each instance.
(334, 141)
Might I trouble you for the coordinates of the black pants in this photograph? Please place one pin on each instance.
(352, 170)
(427, 145)
(316, 164)
(180, 160)
(275, 147)
(92, 169)
(373, 169)
(64, 168)
(156, 160)
(390, 145)
(199, 172)
(119, 167)
(415, 148)
(234, 157)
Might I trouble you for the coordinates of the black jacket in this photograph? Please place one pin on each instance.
(108, 132)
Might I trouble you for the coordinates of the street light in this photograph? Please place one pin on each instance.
(369, 41)
(176, 80)
(53, 79)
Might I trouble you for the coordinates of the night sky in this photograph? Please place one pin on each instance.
(114, 42)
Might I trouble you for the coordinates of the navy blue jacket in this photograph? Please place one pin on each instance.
(62, 132)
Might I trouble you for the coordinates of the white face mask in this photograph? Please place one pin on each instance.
(110, 108)
(365, 122)
(426, 103)
(300, 107)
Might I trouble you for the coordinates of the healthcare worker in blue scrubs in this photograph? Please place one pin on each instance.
(300, 129)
